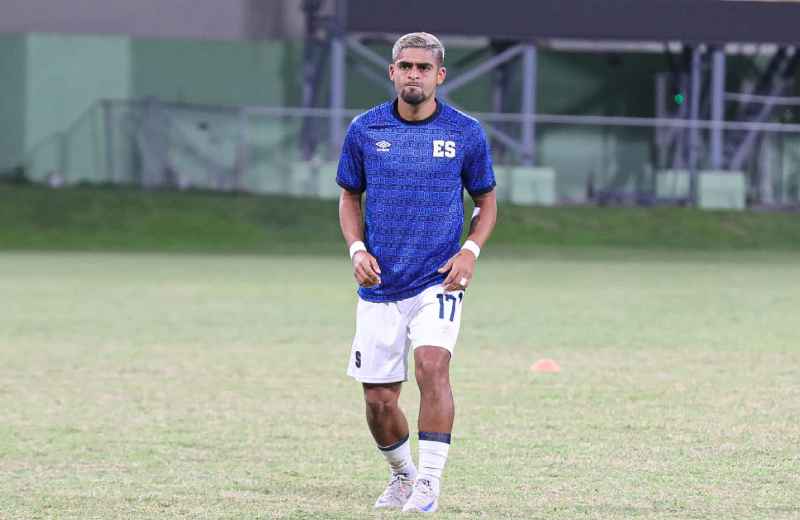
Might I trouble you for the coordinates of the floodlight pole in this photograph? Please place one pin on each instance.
(528, 104)
(338, 86)
(717, 105)
(109, 141)
(694, 131)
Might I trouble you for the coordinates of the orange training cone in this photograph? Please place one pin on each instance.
(546, 366)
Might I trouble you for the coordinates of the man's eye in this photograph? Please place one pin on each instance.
(425, 68)
(405, 66)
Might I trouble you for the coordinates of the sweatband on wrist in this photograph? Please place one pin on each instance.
(355, 247)
(469, 245)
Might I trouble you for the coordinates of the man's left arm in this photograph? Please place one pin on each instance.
(483, 218)
(462, 265)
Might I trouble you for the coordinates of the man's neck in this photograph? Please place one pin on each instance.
(416, 112)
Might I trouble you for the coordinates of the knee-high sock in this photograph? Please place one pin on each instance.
(398, 455)
(433, 450)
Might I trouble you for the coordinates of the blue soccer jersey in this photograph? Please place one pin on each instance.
(414, 174)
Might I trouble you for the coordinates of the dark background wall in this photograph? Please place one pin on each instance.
(708, 21)
(208, 19)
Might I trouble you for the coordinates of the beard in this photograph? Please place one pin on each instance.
(413, 95)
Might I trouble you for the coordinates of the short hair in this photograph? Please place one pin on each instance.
(419, 40)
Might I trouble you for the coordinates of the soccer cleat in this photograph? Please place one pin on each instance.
(396, 493)
(423, 500)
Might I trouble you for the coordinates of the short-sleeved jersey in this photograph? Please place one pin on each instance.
(414, 174)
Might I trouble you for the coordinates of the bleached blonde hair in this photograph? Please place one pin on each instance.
(419, 40)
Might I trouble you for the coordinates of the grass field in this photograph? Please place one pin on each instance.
(212, 386)
(126, 219)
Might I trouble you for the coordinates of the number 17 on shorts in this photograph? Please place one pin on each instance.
(385, 332)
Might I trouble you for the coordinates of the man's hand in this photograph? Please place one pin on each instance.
(461, 267)
(366, 270)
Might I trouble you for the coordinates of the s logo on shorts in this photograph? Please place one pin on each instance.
(358, 359)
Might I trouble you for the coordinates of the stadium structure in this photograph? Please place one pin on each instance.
(690, 102)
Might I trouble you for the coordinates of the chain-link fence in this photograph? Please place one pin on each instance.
(579, 160)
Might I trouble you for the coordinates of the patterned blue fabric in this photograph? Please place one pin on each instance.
(413, 175)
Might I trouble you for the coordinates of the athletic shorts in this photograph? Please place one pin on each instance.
(385, 332)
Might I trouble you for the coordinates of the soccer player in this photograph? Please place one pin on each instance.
(413, 157)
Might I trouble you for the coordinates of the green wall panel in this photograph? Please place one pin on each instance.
(214, 72)
(67, 74)
(292, 72)
(12, 100)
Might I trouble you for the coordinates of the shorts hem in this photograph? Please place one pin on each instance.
(416, 345)
(378, 381)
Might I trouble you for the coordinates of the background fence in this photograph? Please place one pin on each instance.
(580, 159)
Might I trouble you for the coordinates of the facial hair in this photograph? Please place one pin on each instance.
(413, 96)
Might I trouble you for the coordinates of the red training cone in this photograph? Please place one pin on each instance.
(546, 366)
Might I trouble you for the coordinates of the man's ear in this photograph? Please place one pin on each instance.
(440, 75)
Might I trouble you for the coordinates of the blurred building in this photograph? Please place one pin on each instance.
(584, 101)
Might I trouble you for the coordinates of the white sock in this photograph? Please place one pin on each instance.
(432, 458)
(398, 455)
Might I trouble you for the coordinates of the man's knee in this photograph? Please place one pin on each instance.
(381, 399)
(432, 365)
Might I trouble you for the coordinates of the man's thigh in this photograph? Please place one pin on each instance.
(437, 319)
(380, 347)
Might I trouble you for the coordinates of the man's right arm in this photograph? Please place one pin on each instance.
(350, 218)
(365, 267)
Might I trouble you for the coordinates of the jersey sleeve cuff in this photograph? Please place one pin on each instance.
(481, 191)
(349, 188)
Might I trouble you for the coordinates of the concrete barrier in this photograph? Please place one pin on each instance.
(326, 185)
(719, 189)
(716, 189)
(671, 184)
(533, 186)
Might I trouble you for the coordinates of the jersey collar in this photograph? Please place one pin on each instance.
(425, 121)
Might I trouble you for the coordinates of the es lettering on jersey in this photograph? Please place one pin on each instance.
(414, 174)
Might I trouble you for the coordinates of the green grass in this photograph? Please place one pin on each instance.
(97, 219)
(213, 386)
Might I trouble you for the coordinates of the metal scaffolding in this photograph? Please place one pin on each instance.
(698, 73)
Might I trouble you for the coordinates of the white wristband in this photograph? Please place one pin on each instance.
(355, 247)
(469, 245)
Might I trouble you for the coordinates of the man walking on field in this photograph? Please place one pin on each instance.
(413, 157)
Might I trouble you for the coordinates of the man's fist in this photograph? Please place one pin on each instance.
(460, 267)
(366, 270)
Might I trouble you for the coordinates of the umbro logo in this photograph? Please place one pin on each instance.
(383, 146)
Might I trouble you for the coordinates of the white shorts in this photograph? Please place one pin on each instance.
(386, 331)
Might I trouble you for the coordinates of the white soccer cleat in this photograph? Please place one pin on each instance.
(423, 500)
(396, 493)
